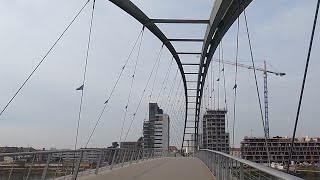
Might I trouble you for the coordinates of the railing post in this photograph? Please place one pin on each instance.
(205, 156)
(10, 172)
(66, 172)
(138, 153)
(113, 158)
(76, 169)
(214, 163)
(227, 167)
(133, 151)
(219, 167)
(241, 172)
(57, 169)
(29, 171)
(143, 154)
(110, 156)
(155, 154)
(44, 173)
(149, 153)
(210, 161)
(98, 163)
(124, 156)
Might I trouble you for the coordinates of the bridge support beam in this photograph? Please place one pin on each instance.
(223, 15)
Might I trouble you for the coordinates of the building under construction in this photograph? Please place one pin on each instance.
(214, 135)
(305, 150)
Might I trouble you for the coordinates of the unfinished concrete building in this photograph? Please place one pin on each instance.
(214, 135)
(306, 150)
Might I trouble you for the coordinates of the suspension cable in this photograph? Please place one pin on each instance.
(165, 79)
(170, 107)
(170, 90)
(151, 92)
(210, 84)
(219, 76)
(144, 90)
(235, 79)
(168, 99)
(153, 84)
(225, 89)
(303, 83)
(208, 88)
(176, 115)
(257, 87)
(174, 111)
(115, 85)
(44, 57)
(213, 94)
(84, 75)
(204, 97)
(131, 87)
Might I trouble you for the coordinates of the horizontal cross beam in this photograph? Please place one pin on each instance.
(180, 21)
(190, 64)
(187, 40)
(189, 53)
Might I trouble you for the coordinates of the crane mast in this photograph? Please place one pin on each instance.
(266, 105)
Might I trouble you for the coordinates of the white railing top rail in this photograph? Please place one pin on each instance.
(260, 167)
(64, 151)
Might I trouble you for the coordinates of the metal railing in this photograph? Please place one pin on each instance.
(69, 164)
(225, 166)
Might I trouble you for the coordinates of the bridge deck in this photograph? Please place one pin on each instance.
(158, 169)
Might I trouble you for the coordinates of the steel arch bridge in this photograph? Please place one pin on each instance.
(223, 15)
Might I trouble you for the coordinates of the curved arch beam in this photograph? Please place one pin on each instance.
(223, 15)
(136, 13)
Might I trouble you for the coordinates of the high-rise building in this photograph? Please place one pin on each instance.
(156, 129)
(214, 135)
(161, 133)
(154, 109)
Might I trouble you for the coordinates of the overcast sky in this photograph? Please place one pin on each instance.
(45, 112)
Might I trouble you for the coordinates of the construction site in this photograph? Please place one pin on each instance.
(305, 150)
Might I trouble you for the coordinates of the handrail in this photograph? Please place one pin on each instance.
(55, 151)
(203, 154)
(69, 164)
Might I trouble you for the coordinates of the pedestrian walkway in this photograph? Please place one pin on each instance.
(173, 168)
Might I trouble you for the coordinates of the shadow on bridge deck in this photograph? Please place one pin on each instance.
(183, 168)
